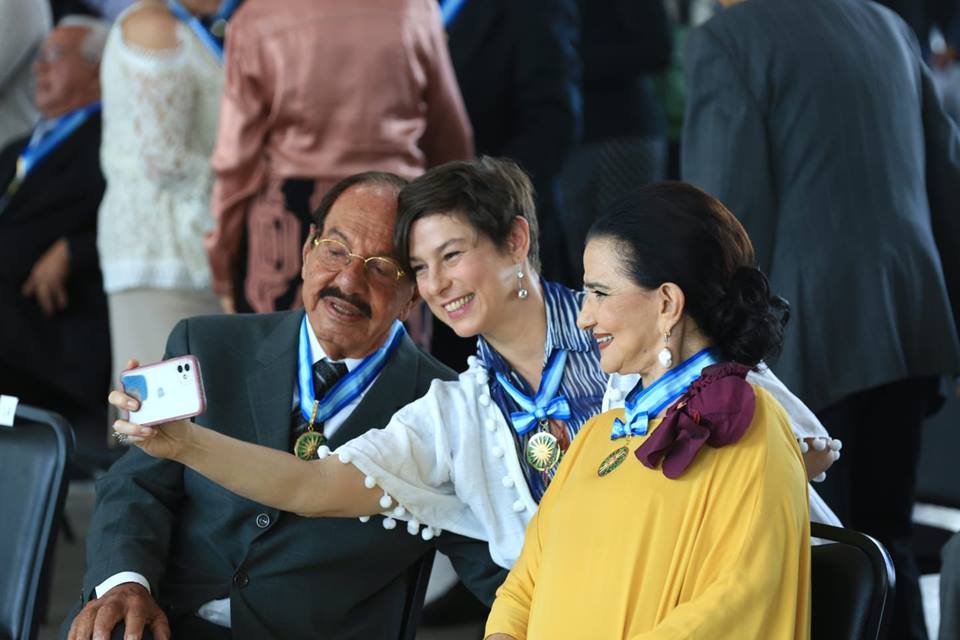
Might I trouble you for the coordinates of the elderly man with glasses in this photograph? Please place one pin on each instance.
(168, 549)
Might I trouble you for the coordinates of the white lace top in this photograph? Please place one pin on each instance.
(159, 124)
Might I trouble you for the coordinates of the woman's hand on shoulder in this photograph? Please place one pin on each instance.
(150, 26)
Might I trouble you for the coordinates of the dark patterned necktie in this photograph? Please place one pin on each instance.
(325, 375)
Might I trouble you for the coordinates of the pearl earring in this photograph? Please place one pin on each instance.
(521, 292)
(666, 356)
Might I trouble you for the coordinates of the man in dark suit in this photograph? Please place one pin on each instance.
(167, 545)
(54, 340)
(817, 123)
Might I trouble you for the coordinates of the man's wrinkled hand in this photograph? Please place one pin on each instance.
(47, 281)
(128, 603)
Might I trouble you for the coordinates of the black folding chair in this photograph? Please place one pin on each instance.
(33, 459)
(419, 575)
(853, 583)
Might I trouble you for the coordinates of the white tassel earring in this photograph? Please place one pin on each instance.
(522, 293)
(666, 356)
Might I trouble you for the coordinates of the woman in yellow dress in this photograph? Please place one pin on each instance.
(684, 516)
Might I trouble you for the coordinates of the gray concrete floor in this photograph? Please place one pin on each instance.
(68, 573)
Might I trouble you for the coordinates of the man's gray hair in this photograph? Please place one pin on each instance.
(96, 38)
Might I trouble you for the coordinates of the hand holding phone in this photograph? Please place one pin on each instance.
(168, 390)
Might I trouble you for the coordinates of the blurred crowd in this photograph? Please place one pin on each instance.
(162, 160)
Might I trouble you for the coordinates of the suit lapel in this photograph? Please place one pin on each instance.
(270, 387)
(390, 392)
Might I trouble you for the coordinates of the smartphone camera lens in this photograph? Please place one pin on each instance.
(179, 369)
(186, 367)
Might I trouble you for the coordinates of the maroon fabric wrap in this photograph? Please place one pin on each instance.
(715, 410)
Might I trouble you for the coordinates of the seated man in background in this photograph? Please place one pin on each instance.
(168, 549)
(54, 336)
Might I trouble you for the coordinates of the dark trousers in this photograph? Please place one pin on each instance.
(872, 486)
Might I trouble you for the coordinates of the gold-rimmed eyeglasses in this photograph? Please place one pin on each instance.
(336, 256)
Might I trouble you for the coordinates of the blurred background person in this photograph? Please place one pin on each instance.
(54, 336)
(316, 91)
(161, 80)
(519, 71)
(818, 124)
(23, 27)
(624, 126)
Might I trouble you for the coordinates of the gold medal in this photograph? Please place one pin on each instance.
(17, 178)
(307, 444)
(310, 440)
(219, 27)
(612, 461)
(543, 451)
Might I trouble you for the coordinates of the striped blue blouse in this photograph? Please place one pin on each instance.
(583, 382)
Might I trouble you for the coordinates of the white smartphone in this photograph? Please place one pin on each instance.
(167, 391)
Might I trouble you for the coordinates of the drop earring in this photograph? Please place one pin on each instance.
(666, 356)
(521, 292)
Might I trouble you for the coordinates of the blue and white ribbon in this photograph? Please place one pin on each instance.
(210, 41)
(546, 404)
(644, 404)
(47, 136)
(348, 388)
(450, 9)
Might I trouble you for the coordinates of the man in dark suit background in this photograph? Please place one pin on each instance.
(519, 74)
(817, 123)
(54, 336)
(168, 547)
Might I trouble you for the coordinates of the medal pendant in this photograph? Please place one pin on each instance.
(543, 451)
(612, 461)
(307, 444)
(219, 27)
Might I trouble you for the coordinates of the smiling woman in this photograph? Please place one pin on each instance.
(699, 484)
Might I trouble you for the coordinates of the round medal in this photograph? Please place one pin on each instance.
(612, 461)
(307, 444)
(543, 451)
(219, 27)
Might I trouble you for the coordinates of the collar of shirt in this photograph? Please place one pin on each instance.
(319, 354)
(562, 306)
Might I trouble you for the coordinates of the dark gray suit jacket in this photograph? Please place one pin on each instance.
(287, 576)
(817, 124)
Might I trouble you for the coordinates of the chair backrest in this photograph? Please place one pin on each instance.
(852, 585)
(419, 576)
(33, 459)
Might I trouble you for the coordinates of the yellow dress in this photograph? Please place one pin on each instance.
(722, 552)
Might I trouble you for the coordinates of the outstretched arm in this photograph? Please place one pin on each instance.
(314, 488)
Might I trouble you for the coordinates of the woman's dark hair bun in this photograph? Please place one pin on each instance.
(749, 320)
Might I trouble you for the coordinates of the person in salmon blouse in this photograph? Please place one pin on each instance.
(316, 91)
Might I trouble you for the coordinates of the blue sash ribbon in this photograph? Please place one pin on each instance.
(450, 9)
(644, 404)
(47, 138)
(546, 404)
(349, 387)
(210, 41)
